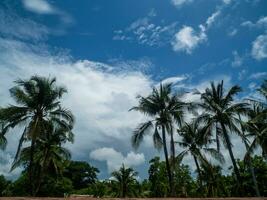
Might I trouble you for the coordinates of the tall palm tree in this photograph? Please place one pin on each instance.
(194, 141)
(221, 112)
(125, 178)
(164, 109)
(38, 104)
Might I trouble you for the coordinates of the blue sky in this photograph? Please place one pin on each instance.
(107, 52)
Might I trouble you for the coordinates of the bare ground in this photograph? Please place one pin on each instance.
(89, 198)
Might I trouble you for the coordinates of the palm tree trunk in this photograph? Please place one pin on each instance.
(172, 151)
(252, 171)
(199, 172)
(31, 166)
(167, 161)
(40, 175)
(251, 168)
(173, 161)
(229, 147)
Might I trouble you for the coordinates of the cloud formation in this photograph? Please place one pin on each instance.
(179, 3)
(187, 39)
(145, 32)
(13, 26)
(98, 95)
(39, 6)
(259, 47)
(115, 159)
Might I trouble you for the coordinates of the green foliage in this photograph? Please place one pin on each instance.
(82, 174)
(124, 183)
(260, 168)
(47, 126)
(3, 185)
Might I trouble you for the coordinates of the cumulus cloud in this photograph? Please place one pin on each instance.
(259, 48)
(179, 3)
(114, 159)
(187, 39)
(98, 95)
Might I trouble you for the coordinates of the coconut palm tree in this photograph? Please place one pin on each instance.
(164, 109)
(194, 142)
(49, 156)
(257, 129)
(38, 104)
(125, 178)
(221, 112)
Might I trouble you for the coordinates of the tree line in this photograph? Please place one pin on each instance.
(46, 126)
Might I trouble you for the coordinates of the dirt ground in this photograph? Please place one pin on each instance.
(89, 198)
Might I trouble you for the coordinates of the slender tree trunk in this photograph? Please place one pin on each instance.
(172, 151)
(199, 173)
(31, 170)
(40, 175)
(167, 161)
(252, 171)
(229, 147)
(251, 168)
(173, 165)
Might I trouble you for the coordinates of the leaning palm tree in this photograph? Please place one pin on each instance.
(194, 142)
(164, 109)
(221, 113)
(38, 104)
(125, 179)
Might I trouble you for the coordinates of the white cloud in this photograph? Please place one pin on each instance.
(144, 31)
(238, 60)
(39, 6)
(18, 27)
(259, 48)
(187, 39)
(227, 1)
(98, 95)
(232, 32)
(261, 23)
(179, 3)
(212, 18)
(115, 159)
(258, 75)
(6, 160)
(174, 80)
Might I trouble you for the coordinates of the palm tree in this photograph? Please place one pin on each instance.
(249, 149)
(257, 124)
(49, 156)
(194, 140)
(125, 178)
(220, 111)
(164, 109)
(38, 104)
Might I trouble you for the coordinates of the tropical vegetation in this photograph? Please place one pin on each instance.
(183, 131)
